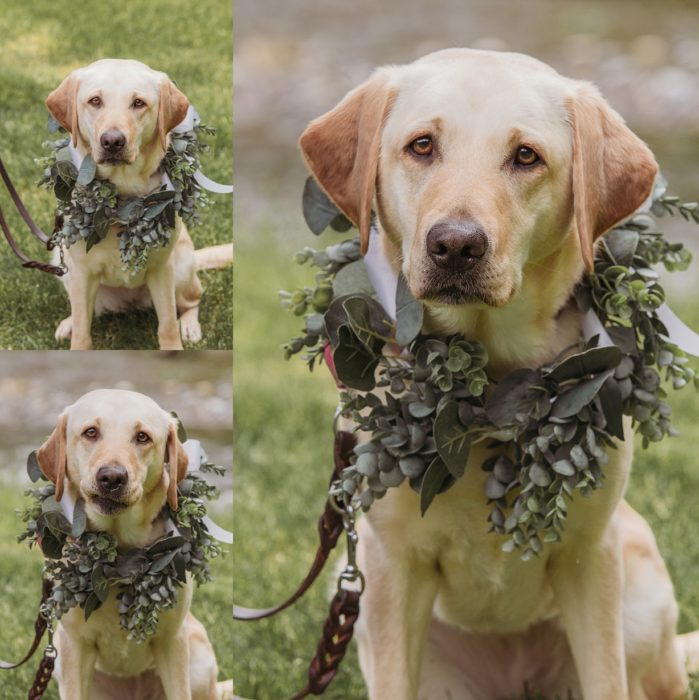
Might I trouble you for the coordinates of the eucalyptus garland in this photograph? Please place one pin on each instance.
(425, 400)
(89, 206)
(85, 566)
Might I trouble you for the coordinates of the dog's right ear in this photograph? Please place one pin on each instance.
(63, 105)
(342, 147)
(52, 456)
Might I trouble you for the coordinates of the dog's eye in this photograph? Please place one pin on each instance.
(95, 101)
(91, 433)
(526, 157)
(422, 146)
(142, 437)
(138, 104)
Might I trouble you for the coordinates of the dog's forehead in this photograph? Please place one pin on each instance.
(119, 408)
(119, 76)
(485, 89)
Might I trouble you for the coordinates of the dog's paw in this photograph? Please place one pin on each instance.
(64, 329)
(190, 330)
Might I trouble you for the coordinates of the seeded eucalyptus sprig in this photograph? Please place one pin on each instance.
(90, 206)
(424, 401)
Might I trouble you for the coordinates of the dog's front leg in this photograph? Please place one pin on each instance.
(588, 584)
(171, 653)
(161, 285)
(82, 292)
(75, 666)
(396, 610)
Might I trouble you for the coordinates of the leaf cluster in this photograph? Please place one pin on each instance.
(423, 401)
(88, 207)
(86, 565)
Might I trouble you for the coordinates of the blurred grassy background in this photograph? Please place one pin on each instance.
(43, 41)
(295, 61)
(34, 388)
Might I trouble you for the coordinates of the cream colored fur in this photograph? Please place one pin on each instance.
(446, 613)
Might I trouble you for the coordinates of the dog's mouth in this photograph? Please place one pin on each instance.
(113, 160)
(107, 505)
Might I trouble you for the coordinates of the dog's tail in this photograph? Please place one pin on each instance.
(213, 257)
(224, 690)
(688, 648)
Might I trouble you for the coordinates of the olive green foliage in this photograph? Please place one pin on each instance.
(42, 42)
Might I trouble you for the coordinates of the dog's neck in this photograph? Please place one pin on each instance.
(533, 328)
(135, 179)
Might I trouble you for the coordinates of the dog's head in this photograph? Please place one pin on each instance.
(118, 110)
(481, 166)
(117, 448)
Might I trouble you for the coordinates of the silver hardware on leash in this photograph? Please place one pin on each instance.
(46, 611)
(341, 502)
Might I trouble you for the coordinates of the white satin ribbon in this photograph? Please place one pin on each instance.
(195, 455)
(381, 274)
(187, 124)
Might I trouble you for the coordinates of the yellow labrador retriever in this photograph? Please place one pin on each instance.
(119, 452)
(121, 112)
(492, 176)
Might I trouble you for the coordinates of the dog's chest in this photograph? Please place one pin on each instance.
(104, 260)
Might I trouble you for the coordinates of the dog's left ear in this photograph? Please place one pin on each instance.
(172, 109)
(177, 462)
(52, 456)
(613, 170)
(342, 148)
(63, 105)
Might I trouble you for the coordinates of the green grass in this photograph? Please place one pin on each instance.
(283, 460)
(43, 41)
(22, 589)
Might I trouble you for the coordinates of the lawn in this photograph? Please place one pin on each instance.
(283, 460)
(43, 41)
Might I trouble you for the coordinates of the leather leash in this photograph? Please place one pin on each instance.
(45, 670)
(31, 224)
(344, 607)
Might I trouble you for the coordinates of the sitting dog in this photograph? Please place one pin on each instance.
(121, 112)
(492, 176)
(119, 452)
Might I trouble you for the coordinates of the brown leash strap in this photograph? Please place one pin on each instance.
(43, 676)
(337, 634)
(31, 224)
(39, 629)
(329, 531)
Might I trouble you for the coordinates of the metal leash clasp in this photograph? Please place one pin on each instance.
(46, 611)
(341, 502)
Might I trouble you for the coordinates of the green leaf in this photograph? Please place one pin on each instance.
(130, 209)
(353, 278)
(162, 562)
(337, 315)
(452, 439)
(409, 313)
(79, 518)
(435, 478)
(67, 172)
(355, 365)
(341, 224)
(87, 172)
(91, 604)
(511, 396)
(622, 244)
(613, 407)
(101, 224)
(181, 432)
(571, 401)
(165, 545)
(100, 584)
(590, 361)
(366, 326)
(318, 210)
(153, 210)
(62, 190)
(563, 467)
(33, 468)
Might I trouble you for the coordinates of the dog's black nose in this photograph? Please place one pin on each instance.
(456, 246)
(112, 140)
(112, 478)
